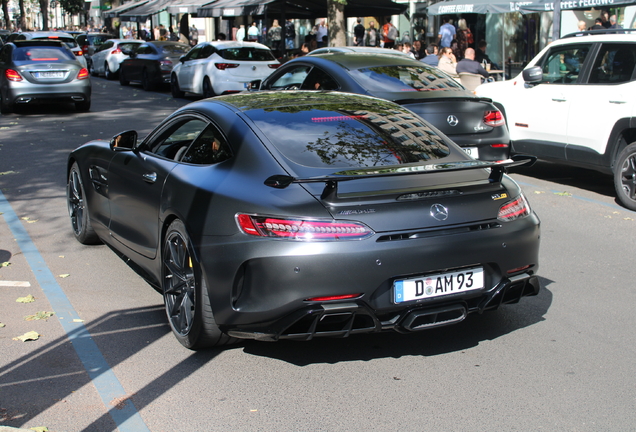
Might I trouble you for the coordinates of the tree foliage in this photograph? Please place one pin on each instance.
(72, 6)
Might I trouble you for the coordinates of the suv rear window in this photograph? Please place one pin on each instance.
(403, 78)
(47, 54)
(346, 136)
(175, 49)
(247, 54)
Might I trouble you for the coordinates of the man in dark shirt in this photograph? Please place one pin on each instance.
(431, 55)
(358, 33)
(468, 64)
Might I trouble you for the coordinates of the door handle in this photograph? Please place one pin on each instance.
(150, 177)
(618, 102)
(559, 98)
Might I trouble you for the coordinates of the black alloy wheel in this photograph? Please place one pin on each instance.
(185, 293)
(208, 92)
(77, 209)
(174, 87)
(625, 177)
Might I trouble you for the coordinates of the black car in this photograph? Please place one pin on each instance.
(90, 42)
(150, 63)
(470, 121)
(292, 215)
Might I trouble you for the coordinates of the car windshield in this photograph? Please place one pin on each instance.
(41, 54)
(175, 49)
(403, 78)
(247, 53)
(98, 39)
(69, 42)
(346, 135)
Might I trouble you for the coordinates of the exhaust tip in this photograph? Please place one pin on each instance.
(431, 318)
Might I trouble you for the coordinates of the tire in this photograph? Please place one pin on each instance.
(122, 78)
(208, 91)
(174, 87)
(77, 209)
(83, 106)
(185, 293)
(146, 82)
(6, 107)
(91, 69)
(625, 177)
(107, 73)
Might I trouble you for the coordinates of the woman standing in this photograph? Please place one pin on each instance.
(464, 37)
(275, 36)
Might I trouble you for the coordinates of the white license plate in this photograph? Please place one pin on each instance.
(471, 151)
(438, 285)
(49, 74)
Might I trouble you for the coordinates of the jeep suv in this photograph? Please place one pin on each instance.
(575, 104)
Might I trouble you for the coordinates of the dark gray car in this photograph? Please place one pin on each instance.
(42, 71)
(151, 63)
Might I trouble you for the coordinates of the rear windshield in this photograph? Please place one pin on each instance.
(175, 49)
(98, 39)
(349, 135)
(44, 54)
(404, 78)
(247, 53)
(69, 42)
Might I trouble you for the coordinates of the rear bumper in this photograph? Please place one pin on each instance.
(25, 93)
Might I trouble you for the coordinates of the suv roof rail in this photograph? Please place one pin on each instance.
(599, 32)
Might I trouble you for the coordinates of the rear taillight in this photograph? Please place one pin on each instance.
(82, 74)
(300, 229)
(494, 118)
(12, 75)
(79, 53)
(273, 66)
(334, 297)
(165, 65)
(223, 66)
(116, 51)
(514, 209)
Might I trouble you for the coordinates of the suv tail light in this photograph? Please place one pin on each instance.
(12, 75)
(116, 51)
(494, 118)
(82, 74)
(223, 66)
(300, 229)
(79, 53)
(514, 209)
(273, 66)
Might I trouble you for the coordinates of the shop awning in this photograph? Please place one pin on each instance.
(144, 12)
(452, 7)
(187, 6)
(116, 11)
(299, 8)
(548, 5)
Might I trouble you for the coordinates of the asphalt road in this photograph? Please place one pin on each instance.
(561, 361)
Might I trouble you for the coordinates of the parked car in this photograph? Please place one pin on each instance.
(63, 37)
(573, 104)
(109, 55)
(292, 215)
(90, 42)
(150, 63)
(472, 122)
(214, 68)
(359, 49)
(4, 35)
(42, 71)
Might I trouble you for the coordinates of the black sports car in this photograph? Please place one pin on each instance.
(292, 215)
(474, 123)
(150, 63)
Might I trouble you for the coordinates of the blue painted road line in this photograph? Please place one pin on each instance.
(108, 386)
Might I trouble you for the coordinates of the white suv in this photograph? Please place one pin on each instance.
(575, 103)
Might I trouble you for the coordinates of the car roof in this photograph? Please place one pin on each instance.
(38, 42)
(607, 35)
(234, 44)
(46, 34)
(357, 60)
(356, 49)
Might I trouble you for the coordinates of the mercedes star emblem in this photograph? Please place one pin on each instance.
(452, 120)
(439, 212)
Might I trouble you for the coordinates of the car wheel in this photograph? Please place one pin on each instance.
(91, 69)
(122, 78)
(6, 107)
(77, 209)
(625, 177)
(146, 82)
(107, 73)
(174, 87)
(185, 293)
(208, 92)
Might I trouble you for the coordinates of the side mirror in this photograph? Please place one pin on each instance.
(182, 59)
(255, 85)
(124, 141)
(532, 75)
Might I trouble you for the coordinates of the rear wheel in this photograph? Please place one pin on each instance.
(185, 293)
(91, 69)
(77, 209)
(6, 107)
(146, 82)
(208, 92)
(625, 177)
(107, 73)
(174, 87)
(83, 106)
(122, 78)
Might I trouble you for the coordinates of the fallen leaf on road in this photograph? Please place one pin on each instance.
(563, 193)
(28, 336)
(27, 299)
(2, 325)
(32, 221)
(5, 264)
(41, 315)
(7, 172)
(40, 429)
(65, 275)
(539, 192)
(78, 320)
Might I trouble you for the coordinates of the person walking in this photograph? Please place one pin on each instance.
(358, 33)
(371, 36)
(275, 35)
(446, 33)
(389, 34)
(290, 34)
(252, 32)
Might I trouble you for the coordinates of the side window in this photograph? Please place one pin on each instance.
(614, 64)
(105, 46)
(563, 64)
(318, 79)
(207, 51)
(194, 53)
(173, 141)
(292, 79)
(144, 49)
(210, 147)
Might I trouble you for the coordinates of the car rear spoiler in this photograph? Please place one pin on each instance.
(497, 170)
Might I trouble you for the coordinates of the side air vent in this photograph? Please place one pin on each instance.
(439, 232)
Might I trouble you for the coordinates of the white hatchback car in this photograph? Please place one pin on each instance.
(214, 68)
(575, 104)
(108, 56)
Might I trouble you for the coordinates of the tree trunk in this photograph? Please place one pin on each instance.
(5, 11)
(22, 22)
(44, 9)
(337, 23)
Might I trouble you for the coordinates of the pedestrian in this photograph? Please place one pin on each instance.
(448, 62)
(252, 32)
(321, 32)
(431, 55)
(274, 34)
(290, 34)
(464, 36)
(446, 33)
(417, 51)
(371, 35)
(468, 64)
(389, 34)
(240, 33)
(358, 33)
